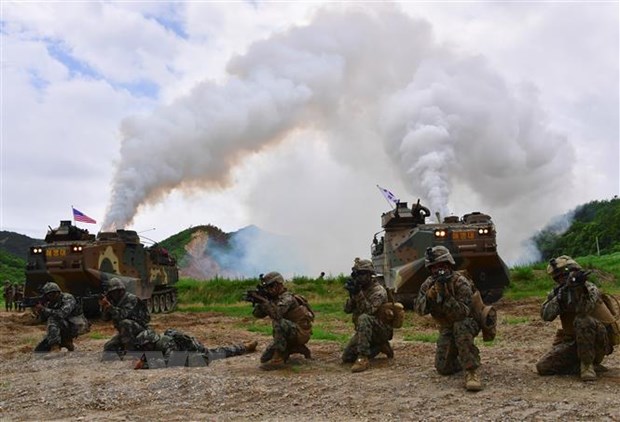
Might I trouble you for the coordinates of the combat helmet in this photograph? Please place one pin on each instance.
(147, 336)
(562, 265)
(361, 265)
(50, 287)
(115, 283)
(436, 255)
(271, 278)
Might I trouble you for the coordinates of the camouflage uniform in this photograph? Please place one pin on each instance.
(371, 334)
(65, 320)
(174, 341)
(130, 317)
(447, 296)
(455, 346)
(19, 298)
(291, 322)
(8, 294)
(583, 341)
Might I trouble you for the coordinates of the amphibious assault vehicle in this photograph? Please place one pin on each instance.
(398, 255)
(82, 263)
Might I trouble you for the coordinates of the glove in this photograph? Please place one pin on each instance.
(38, 308)
(577, 278)
(352, 287)
(104, 303)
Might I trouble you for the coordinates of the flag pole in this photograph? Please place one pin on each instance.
(72, 215)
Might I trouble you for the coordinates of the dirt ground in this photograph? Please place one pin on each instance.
(78, 386)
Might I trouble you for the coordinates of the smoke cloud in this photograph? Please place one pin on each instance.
(367, 80)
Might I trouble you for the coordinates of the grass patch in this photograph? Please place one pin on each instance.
(256, 328)
(319, 333)
(516, 320)
(423, 337)
(95, 335)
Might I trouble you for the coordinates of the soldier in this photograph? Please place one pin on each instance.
(583, 341)
(176, 341)
(447, 296)
(372, 332)
(65, 319)
(128, 313)
(9, 294)
(19, 297)
(291, 321)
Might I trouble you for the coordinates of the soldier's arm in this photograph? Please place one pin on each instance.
(349, 306)
(551, 308)
(376, 297)
(588, 297)
(457, 307)
(284, 303)
(260, 310)
(123, 310)
(421, 305)
(63, 311)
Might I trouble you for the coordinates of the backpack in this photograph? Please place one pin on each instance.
(392, 312)
(485, 315)
(608, 312)
(302, 301)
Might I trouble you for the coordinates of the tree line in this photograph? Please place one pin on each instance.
(590, 229)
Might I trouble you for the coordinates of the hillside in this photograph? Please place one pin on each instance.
(17, 244)
(587, 230)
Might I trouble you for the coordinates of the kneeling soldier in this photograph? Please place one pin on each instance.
(372, 333)
(447, 296)
(65, 319)
(584, 340)
(291, 321)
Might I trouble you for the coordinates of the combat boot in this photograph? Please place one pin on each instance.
(250, 346)
(361, 364)
(55, 348)
(472, 381)
(276, 362)
(68, 344)
(387, 350)
(587, 372)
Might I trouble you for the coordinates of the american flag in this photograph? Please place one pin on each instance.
(79, 216)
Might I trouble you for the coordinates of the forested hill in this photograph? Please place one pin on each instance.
(577, 232)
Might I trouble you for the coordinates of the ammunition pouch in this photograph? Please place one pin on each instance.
(392, 313)
(485, 316)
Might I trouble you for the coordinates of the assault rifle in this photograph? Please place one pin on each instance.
(29, 302)
(352, 286)
(575, 279)
(258, 295)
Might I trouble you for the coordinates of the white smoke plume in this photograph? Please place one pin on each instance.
(246, 253)
(367, 79)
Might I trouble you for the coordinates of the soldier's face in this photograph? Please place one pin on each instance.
(52, 297)
(115, 295)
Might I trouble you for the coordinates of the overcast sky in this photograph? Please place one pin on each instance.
(287, 115)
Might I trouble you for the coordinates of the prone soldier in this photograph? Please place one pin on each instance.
(584, 340)
(65, 319)
(291, 318)
(447, 295)
(128, 313)
(372, 331)
(193, 352)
